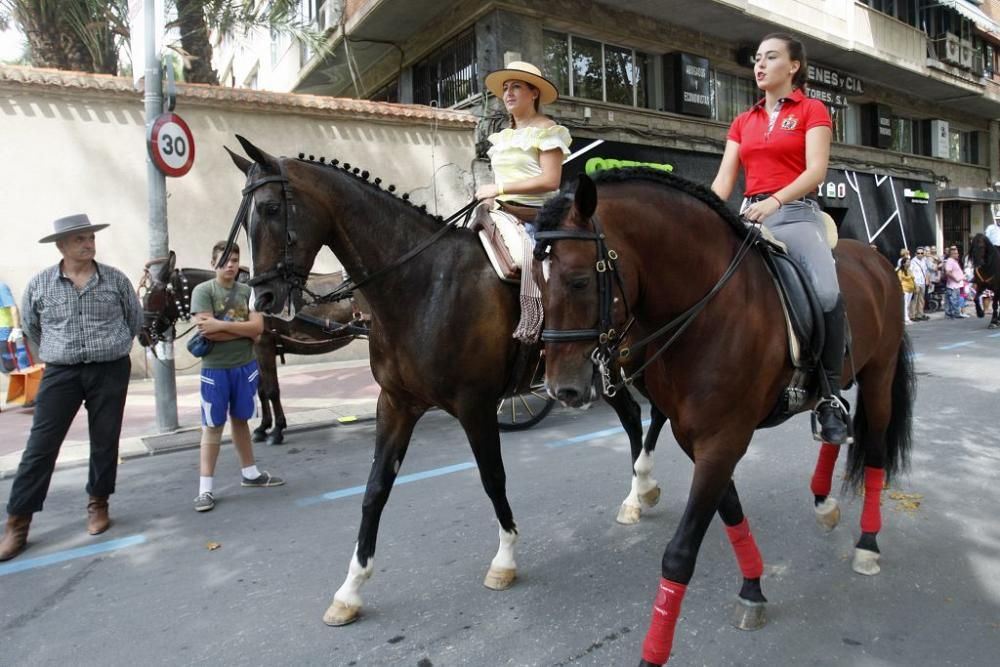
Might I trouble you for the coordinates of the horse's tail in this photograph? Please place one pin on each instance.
(898, 433)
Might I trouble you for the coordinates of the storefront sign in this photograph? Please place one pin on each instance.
(831, 78)
(688, 84)
(827, 96)
(917, 196)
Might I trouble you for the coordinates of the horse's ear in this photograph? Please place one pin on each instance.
(268, 162)
(167, 267)
(585, 198)
(241, 162)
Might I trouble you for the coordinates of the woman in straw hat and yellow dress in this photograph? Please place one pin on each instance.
(527, 162)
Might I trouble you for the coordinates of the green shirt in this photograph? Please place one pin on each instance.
(210, 297)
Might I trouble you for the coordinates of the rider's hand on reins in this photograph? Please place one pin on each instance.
(487, 191)
(760, 210)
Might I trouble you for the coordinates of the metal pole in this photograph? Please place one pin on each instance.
(164, 378)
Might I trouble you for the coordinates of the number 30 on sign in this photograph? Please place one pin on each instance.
(171, 145)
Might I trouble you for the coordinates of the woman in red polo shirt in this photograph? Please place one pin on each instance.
(783, 144)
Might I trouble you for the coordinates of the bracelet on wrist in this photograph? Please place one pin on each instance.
(775, 198)
(499, 189)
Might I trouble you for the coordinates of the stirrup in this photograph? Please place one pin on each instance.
(845, 412)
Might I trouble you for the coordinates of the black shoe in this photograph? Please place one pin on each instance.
(832, 421)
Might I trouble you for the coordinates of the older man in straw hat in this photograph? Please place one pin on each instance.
(83, 315)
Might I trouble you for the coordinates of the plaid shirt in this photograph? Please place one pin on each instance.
(93, 324)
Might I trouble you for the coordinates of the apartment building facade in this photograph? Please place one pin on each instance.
(913, 86)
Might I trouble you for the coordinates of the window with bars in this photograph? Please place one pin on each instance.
(593, 70)
(449, 75)
(388, 93)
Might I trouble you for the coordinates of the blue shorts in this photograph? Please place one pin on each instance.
(231, 391)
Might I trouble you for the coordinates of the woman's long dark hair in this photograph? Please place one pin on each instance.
(796, 51)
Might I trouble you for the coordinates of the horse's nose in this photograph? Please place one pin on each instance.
(568, 395)
(264, 300)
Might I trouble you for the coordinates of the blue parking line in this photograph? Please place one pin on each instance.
(402, 479)
(71, 554)
(957, 345)
(603, 433)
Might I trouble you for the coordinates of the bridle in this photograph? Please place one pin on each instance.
(158, 322)
(607, 336)
(294, 276)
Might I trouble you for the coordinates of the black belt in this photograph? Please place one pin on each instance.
(761, 196)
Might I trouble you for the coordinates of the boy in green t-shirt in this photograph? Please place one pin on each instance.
(229, 374)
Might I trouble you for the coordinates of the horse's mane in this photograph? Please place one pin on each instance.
(375, 185)
(555, 209)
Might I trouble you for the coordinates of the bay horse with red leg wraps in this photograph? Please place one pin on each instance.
(681, 258)
(440, 329)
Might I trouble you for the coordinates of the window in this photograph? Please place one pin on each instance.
(449, 75)
(388, 93)
(732, 95)
(963, 146)
(903, 132)
(593, 70)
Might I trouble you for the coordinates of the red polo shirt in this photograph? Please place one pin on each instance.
(773, 160)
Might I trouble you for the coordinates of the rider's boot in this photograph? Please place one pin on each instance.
(831, 410)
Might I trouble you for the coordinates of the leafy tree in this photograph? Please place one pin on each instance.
(88, 35)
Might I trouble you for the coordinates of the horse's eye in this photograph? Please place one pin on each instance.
(579, 283)
(272, 208)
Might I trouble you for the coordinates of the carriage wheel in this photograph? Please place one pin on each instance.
(516, 413)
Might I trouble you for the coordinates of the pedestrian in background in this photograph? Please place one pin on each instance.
(83, 316)
(919, 270)
(11, 334)
(907, 283)
(229, 374)
(954, 277)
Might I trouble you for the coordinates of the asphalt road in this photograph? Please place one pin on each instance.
(159, 595)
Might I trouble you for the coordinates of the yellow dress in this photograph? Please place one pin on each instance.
(514, 156)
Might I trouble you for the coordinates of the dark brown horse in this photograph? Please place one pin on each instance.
(986, 274)
(165, 292)
(724, 372)
(441, 329)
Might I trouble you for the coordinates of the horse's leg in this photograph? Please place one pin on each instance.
(264, 352)
(995, 320)
(826, 508)
(712, 474)
(480, 424)
(395, 420)
(874, 413)
(750, 607)
(268, 363)
(645, 489)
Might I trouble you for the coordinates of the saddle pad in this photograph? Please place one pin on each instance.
(500, 234)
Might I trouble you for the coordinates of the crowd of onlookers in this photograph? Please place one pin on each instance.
(943, 279)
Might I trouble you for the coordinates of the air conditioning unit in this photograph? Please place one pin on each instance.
(939, 139)
(966, 54)
(952, 49)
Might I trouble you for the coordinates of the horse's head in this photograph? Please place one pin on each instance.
(278, 207)
(578, 284)
(159, 310)
(978, 249)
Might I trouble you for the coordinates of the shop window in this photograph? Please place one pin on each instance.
(592, 70)
(732, 95)
(449, 75)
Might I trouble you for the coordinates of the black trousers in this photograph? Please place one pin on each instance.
(103, 387)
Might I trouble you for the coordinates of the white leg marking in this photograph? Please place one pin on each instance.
(505, 554)
(643, 481)
(350, 591)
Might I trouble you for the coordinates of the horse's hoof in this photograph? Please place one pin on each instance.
(749, 615)
(500, 578)
(259, 436)
(340, 613)
(828, 514)
(866, 562)
(628, 515)
(276, 439)
(651, 497)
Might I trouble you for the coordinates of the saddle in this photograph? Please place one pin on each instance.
(803, 320)
(499, 232)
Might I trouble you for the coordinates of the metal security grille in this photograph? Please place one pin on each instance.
(449, 75)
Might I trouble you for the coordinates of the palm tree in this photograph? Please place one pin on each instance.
(88, 35)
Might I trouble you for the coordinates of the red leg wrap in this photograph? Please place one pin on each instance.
(823, 476)
(666, 611)
(745, 547)
(871, 515)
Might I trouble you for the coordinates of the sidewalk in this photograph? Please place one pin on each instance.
(313, 395)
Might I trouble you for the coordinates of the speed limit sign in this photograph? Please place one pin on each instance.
(171, 145)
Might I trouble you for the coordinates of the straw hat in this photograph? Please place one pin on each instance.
(71, 224)
(522, 71)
